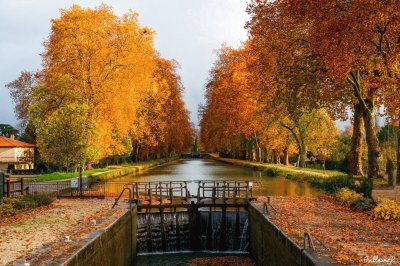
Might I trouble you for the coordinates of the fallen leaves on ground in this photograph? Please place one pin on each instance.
(338, 232)
(38, 236)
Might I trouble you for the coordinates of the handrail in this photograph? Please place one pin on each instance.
(120, 195)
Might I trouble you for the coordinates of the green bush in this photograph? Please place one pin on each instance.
(272, 171)
(25, 203)
(347, 195)
(40, 199)
(333, 184)
(365, 187)
(289, 176)
(362, 204)
(12, 204)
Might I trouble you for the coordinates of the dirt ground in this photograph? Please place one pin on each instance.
(350, 238)
(40, 236)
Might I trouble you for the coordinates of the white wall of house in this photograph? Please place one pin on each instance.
(13, 155)
(7, 154)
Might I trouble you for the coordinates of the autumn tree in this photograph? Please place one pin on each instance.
(20, 91)
(100, 76)
(364, 51)
(290, 78)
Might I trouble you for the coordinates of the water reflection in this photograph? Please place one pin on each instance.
(191, 170)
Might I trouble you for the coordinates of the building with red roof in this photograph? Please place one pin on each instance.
(15, 153)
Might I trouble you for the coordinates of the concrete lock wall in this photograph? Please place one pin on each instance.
(115, 245)
(270, 246)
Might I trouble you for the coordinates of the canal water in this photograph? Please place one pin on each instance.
(208, 169)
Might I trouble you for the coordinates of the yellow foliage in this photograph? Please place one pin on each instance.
(387, 210)
(347, 195)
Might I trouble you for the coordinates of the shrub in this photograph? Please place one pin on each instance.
(362, 204)
(25, 203)
(6, 210)
(12, 200)
(32, 201)
(387, 210)
(333, 184)
(289, 176)
(365, 187)
(348, 196)
(272, 171)
(40, 199)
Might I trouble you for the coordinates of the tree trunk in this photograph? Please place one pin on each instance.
(372, 141)
(302, 158)
(398, 155)
(286, 156)
(89, 165)
(262, 155)
(275, 154)
(355, 155)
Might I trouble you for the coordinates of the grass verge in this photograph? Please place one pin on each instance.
(102, 173)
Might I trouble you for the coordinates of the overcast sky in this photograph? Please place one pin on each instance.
(188, 31)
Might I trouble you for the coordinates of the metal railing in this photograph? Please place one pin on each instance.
(17, 159)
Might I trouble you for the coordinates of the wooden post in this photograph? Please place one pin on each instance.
(149, 229)
(237, 230)
(2, 178)
(209, 243)
(163, 237)
(22, 186)
(8, 188)
(222, 240)
(137, 192)
(247, 191)
(171, 195)
(178, 233)
(151, 199)
(198, 192)
(195, 242)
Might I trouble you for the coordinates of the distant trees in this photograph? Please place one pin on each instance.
(6, 130)
(103, 90)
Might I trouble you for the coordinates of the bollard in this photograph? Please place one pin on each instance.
(1, 186)
(308, 240)
(265, 209)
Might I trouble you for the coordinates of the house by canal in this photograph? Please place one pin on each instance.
(16, 154)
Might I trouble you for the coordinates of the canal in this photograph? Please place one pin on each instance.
(208, 169)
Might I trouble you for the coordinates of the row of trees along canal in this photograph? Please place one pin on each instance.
(305, 63)
(103, 90)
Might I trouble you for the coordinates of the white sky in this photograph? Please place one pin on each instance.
(187, 30)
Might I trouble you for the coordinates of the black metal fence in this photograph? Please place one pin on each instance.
(98, 189)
